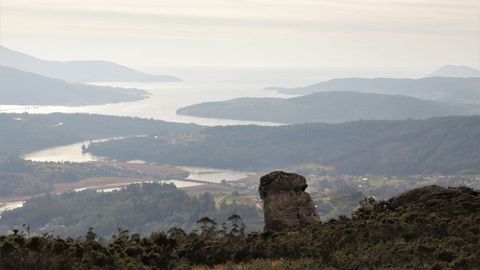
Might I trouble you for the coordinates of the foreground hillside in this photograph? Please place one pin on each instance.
(426, 228)
(23, 88)
(326, 107)
(447, 145)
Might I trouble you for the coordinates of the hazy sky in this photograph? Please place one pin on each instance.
(314, 33)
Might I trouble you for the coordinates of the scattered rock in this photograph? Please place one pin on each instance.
(286, 205)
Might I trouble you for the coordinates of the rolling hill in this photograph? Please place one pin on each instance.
(455, 90)
(328, 107)
(23, 133)
(444, 145)
(24, 88)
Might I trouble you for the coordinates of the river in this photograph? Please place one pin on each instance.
(166, 98)
(74, 153)
(199, 85)
(202, 85)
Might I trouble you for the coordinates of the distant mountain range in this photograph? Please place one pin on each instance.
(328, 107)
(454, 90)
(456, 71)
(24, 88)
(78, 71)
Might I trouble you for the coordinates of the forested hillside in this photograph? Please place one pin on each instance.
(24, 178)
(439, 232)
(21, 133)
(327, 107)
(446, 145)
(142, 208)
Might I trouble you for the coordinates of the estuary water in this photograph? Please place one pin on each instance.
(198, 85)
(203, 85)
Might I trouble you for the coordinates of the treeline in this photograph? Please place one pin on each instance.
(442, 233)
(447, 145)
(328, 107)
(20, 177)
(142, 208)
(23, 133)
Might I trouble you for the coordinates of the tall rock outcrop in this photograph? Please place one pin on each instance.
(286, 205)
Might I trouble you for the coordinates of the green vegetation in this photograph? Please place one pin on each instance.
(24, 178)
(142, 208)
(339, 195)
(447, 145)
(434, 146)
(23, 133)
(443, 235)
(327, 107)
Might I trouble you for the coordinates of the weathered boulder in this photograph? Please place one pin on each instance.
(286, 205)
(433, 196)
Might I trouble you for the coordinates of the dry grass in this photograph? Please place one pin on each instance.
(254, 265)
